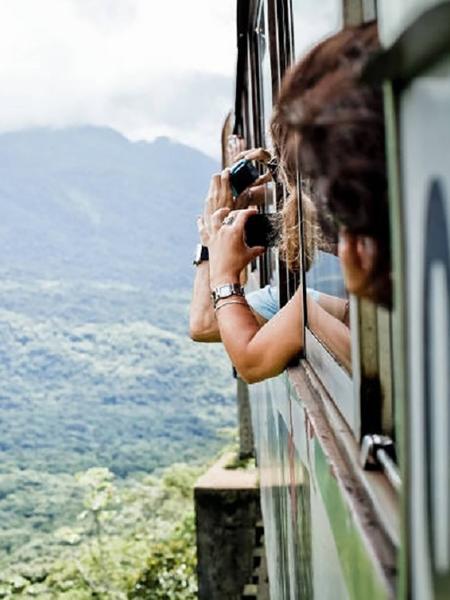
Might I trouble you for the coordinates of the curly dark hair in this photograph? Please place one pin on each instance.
(339, 140)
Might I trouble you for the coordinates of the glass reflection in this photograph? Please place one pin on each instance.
(327, 298)
(295, 511)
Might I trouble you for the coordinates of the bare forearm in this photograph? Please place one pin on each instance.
(260, 352)
(337, 307)
(334, 333)
(202, 321)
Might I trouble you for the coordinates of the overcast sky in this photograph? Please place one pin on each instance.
(143, 67)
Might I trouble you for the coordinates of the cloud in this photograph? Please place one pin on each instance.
(194, 113)
(144, 67)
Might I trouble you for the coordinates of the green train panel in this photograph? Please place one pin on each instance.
(417, 63)
(318, 534)
(337, 525)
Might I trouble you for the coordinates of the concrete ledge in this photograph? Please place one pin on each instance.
(227, 510)
(219, 477)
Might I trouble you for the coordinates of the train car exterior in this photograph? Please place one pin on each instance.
(354, 463)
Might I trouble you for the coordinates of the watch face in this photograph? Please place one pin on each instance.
(198, 254)
(201, 254)
(225, 291)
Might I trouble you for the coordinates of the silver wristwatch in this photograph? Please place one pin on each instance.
(225, 291)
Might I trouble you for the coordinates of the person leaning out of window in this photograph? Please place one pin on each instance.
(336, 132)
(329, 313)
(339, 124)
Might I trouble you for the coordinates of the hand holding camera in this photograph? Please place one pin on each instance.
(242, 174)
(228, 252)
(260, 229)
(235, 188)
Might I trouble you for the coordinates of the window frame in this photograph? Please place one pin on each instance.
(365, 397)
(309, 386)
(363, 406)
(339, 384)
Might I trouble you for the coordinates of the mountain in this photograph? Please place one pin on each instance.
(96, 368)
(88, 203)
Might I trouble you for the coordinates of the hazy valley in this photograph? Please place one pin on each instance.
(96, 369)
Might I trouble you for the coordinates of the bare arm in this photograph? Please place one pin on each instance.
(202, 321)
(262, 352)
(256, 352)
(203, 325)
(330, 329)
(335, 306)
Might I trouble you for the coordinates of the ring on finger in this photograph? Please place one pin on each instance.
(228, 220)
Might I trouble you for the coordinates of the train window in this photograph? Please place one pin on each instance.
(325, 284)
(328, 349)
(269, 262)
(327, 340)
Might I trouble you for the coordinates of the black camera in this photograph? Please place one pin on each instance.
(242, 175)
(262, 230)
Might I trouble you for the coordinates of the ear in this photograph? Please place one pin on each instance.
(358, 254)
(366, 249)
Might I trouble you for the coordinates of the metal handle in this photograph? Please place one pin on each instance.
(378, 452)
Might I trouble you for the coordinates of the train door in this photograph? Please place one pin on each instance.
(416, 35)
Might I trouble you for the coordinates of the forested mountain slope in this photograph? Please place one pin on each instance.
(96, 369)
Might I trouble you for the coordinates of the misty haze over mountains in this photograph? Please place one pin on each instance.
(88, 203)
(96, 368)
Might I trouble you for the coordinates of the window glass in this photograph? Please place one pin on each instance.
(328, 302)
(314, 20)
(328, 313)
(269, 262)
(325, 274)
(250, 125)
(264, 52)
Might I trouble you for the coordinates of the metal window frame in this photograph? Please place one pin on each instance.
(339, 384)
(351, 394)
(365, 397)
(334, 378)
(341, 405)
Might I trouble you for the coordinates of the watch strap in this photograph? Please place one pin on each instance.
(225, 291)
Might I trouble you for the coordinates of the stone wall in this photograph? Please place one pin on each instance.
(227, 510)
